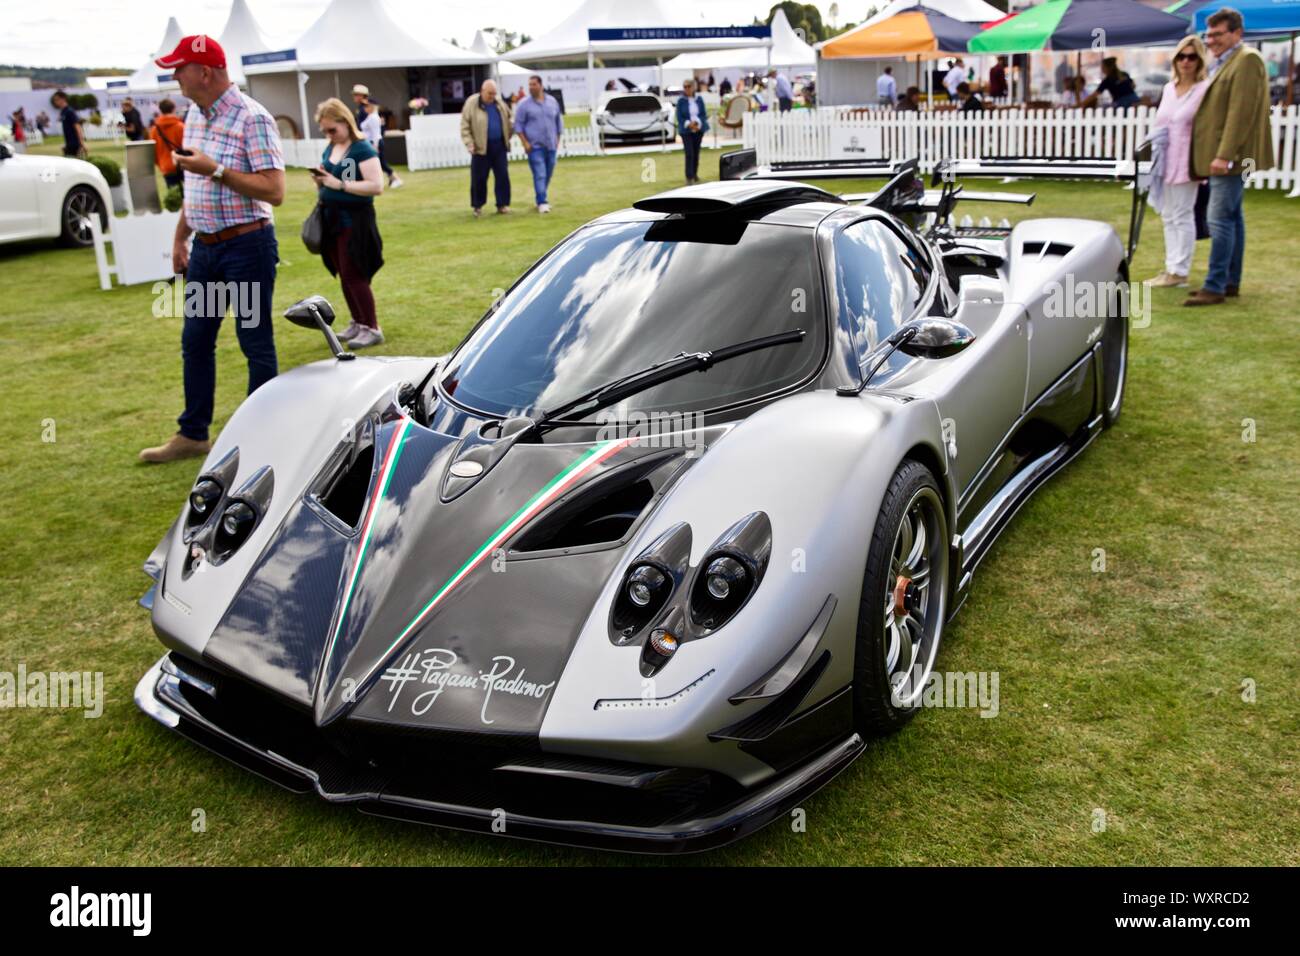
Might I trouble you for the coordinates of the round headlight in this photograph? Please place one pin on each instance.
(644, 584)
(238, 520)
(205, 496)
(723, 575)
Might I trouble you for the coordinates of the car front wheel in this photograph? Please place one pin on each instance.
(904, 602)
(79, 205)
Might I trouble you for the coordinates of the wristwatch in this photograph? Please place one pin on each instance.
(218, 173)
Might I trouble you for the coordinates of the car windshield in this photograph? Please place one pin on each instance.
(633, 104)
(615, 298)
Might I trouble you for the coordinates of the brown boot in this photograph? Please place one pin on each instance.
(176, 448)
(1232, 291)
(1202, 297)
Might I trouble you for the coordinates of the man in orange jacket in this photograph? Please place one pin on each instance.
(167, 133)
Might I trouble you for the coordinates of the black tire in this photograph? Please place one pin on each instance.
(80, 203)
(1114, 360)
(881, 704)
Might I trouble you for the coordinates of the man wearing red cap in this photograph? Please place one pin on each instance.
(234, 173)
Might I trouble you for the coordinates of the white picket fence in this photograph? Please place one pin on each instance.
(305, 153)
(443, 151)
(809, 135)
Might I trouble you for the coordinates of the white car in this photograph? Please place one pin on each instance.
(625, 117)
(50, 197)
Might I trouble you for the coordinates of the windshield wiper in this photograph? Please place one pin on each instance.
(682, 364)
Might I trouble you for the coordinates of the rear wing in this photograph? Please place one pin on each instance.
(905, 195)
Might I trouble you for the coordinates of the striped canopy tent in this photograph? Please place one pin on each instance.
(1080, 25)
(919, 30)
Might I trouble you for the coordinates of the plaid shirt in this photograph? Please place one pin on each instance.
(240, 134)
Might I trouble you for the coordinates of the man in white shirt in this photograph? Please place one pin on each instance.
(956, 74)
(887, 88)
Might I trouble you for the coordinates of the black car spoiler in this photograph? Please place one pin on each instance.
(904, 193)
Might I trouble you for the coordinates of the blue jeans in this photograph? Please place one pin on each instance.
(239, 275)
(542, 162)
(1227, 233)
(495, 162)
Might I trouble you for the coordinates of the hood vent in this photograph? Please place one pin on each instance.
(343, 487)
(601, 512)
(1045, 249)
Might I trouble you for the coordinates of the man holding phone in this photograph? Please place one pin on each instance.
(234, 173)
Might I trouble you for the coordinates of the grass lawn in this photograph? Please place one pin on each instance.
(1120, 691)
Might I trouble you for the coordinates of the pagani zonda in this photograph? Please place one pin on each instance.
(677, 527)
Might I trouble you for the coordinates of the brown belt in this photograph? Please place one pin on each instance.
(208, 238)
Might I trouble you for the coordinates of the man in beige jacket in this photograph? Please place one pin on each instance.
(485, 129)
(1231, 139)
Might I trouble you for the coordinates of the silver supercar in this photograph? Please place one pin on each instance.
(671, 533)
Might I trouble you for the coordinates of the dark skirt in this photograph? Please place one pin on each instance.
(365, 247)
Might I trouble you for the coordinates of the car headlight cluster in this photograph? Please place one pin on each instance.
(664, 602)
(217, 523)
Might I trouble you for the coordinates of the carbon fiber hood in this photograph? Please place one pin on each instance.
(428, 614)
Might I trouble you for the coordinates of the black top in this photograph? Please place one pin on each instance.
(68, 117)
(1118, 85)
(972, 105)
(134, 124)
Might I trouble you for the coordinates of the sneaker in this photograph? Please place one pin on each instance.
(478, 212)
(366, 338)
(395, 182)
(503, 210)
(350, 332)
(176, 448)
(544, 208)
(1168, 280)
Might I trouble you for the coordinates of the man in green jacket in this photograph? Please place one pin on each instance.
(1231, 140)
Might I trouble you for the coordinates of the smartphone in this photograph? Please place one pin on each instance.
(184, 152)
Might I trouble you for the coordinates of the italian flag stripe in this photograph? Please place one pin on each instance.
(561, 482)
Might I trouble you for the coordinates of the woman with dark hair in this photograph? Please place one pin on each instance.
(349, 178)
(1120, 86)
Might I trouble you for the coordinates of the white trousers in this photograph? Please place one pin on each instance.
(1179, 214)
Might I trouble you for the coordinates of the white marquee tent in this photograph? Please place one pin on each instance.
(146, 79)
(569, 38)
(241, 35)
(850, 81)
(788, 52)
(357, 41)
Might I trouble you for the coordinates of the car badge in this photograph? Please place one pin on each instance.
(466, 469)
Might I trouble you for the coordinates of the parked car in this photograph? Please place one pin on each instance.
(635, 117)
(647, 558)
(51, 197)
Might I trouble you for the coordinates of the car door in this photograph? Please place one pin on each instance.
(19, 198)
(881, 281)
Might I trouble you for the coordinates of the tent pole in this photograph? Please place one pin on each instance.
(663, 134)
(302, 101)
(1291, 68)
(591, 98)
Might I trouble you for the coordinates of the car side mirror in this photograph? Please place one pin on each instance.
(5, 151)
(934, 338)
(315, 312)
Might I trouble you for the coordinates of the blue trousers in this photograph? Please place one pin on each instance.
(496, 163)
(1227, 232)
(239, 275)
(542, 162)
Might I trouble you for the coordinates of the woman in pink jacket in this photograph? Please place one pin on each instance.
(1178, 104)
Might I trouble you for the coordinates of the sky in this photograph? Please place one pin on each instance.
(121, 33)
